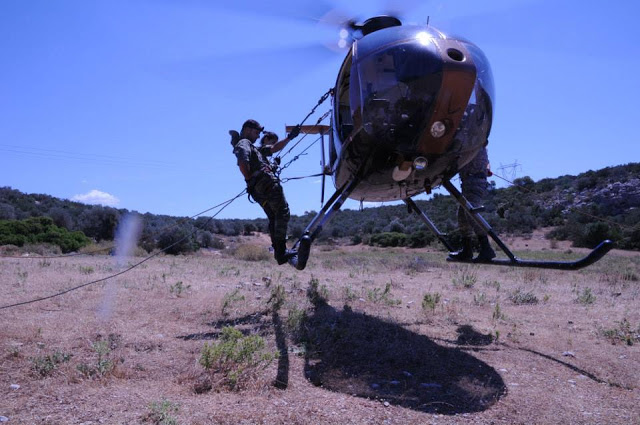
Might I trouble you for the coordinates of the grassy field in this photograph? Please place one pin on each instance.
(363, 335)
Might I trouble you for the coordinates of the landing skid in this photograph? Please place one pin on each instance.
(513, 261)
(303, 245)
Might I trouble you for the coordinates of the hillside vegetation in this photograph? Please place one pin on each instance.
(585, 209)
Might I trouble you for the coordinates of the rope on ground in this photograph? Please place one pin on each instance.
(223, 205)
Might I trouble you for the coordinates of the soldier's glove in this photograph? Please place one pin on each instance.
(294, 132)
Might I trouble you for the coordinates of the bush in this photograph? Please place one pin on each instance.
(249, 252)
(236, 357)
(388, 239)
(420, 238)
(519, 297)
(594, 233)
(177, 240)
(38, 230)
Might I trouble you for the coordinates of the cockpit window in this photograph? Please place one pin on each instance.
(397, 89)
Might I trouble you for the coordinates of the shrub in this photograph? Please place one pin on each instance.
(594, 233)
(38, 230)
(103, 364)
(430, 301)
(161, 413)
(236, 357)
(465, 277)
(622, 333)
(586, 297)
(230, 299)
(520, 297)
(388, 239)
(45, 365)
(420, 238)
(316, 293)
(249, 252)
(377, 295)
(177, 240)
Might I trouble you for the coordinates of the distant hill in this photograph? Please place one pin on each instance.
(584, 209)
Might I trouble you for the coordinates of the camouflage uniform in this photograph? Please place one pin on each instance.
(264, 187)
(474, 188)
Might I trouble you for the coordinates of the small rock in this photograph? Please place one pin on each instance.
(4, 419)
(571, 381)
(394, 383)
(503, 370)
(361, 299)
(407, 374)
(569, 354)
(14, 386)
(386, 404)
(257, 284)
(375, 386)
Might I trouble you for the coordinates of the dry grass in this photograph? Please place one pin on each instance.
(128, 350)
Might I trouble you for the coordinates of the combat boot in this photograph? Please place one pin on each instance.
(281, 253)
(465, 254)
(486, 253)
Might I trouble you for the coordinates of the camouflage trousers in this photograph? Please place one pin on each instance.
(474, 188)
(267, 191)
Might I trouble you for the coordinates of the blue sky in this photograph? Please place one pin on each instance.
(130, 101)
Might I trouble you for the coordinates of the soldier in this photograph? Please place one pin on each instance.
(474, 188)
(262, 184)
(269, 139)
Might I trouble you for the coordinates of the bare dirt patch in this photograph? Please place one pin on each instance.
(488, 345)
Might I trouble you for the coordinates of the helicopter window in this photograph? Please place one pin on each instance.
(344, 117)
(398, 86)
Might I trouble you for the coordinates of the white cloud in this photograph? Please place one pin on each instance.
(96, 197)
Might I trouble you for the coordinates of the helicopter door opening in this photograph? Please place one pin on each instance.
(343, 116)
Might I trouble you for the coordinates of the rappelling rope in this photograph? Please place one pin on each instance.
(222, 206)
(295, 158)
(326, 114)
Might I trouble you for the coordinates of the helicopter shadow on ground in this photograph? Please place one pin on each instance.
(365, 356)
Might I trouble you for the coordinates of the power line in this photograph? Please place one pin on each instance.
(80, 156)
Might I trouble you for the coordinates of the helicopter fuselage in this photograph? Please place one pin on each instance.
(411, 106)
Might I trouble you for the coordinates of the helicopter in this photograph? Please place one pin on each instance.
(410, 107)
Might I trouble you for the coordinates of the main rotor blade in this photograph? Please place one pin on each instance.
(304, 10)
(256, 71)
